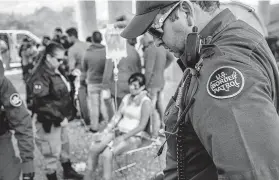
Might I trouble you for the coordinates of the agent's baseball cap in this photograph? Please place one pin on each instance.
(146, 12)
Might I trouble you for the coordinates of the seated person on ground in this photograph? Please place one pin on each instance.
(126, 129)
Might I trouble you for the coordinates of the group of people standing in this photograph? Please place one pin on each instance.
(66, 72)
(221, 122)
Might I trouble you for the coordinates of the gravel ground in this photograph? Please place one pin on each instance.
(146, 165)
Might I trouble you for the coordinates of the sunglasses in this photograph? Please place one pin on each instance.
(58, 59)
(156, 30)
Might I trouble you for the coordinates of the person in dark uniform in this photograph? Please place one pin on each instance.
(226, 106)
(14, 116)
(53, 105)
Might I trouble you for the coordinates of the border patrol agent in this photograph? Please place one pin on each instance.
(226, 106)
(14, 116)
(53, 106)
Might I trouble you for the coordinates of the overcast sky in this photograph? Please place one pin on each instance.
(29, 6)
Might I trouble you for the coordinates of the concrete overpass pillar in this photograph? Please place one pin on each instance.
(86, 18)
(264, 11)
(119, 8)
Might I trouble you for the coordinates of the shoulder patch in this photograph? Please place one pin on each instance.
(15, 100)
(37, 87)
(225, 82)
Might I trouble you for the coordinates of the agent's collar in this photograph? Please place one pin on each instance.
(218, 23)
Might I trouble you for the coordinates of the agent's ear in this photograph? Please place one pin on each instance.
(187, 7)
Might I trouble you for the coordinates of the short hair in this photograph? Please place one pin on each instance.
(72, 32)
(139, 77)
(52, 47)
(89, 39)
(58, 29)
(97, 37)
(46, 37)
(207, 6)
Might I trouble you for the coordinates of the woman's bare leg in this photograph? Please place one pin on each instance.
(117, 149)
(96, 150)
(107, 163)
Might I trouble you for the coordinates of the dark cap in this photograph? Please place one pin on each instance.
(146, 12)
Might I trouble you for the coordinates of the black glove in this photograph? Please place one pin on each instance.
(28, 176)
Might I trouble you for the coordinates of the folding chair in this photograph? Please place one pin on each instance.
(148, 144)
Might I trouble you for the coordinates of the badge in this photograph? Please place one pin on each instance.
(225, 82)
(15, 100)
(37, 87)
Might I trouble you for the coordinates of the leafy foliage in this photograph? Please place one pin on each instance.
(42, 22)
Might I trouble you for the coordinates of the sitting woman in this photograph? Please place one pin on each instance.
(126, 129)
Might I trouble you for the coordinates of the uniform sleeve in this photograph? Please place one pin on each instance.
(236, 119)
(40, 87)
(47, 107)
(20, 121)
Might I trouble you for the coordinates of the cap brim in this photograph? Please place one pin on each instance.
(139, 24)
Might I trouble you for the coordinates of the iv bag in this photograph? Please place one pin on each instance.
(115, 44)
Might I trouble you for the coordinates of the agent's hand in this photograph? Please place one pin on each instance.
(64, 123)
(28, 176)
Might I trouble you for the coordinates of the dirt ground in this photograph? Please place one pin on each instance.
(146, 166)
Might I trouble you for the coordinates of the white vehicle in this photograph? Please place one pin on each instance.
(13, 40)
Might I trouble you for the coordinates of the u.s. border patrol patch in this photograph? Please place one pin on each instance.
(15, 100)
(37, 87)
(225, 82)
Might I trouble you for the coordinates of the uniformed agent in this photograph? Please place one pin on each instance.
(52, 104)
(227, 101)
(14, 116)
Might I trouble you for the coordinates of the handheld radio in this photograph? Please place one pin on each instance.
(192, 50)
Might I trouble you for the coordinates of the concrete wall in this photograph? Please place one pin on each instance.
(86, 18)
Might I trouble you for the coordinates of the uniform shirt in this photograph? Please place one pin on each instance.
(18, 120)
(75, 55)
(51, 95)
(232, 127)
